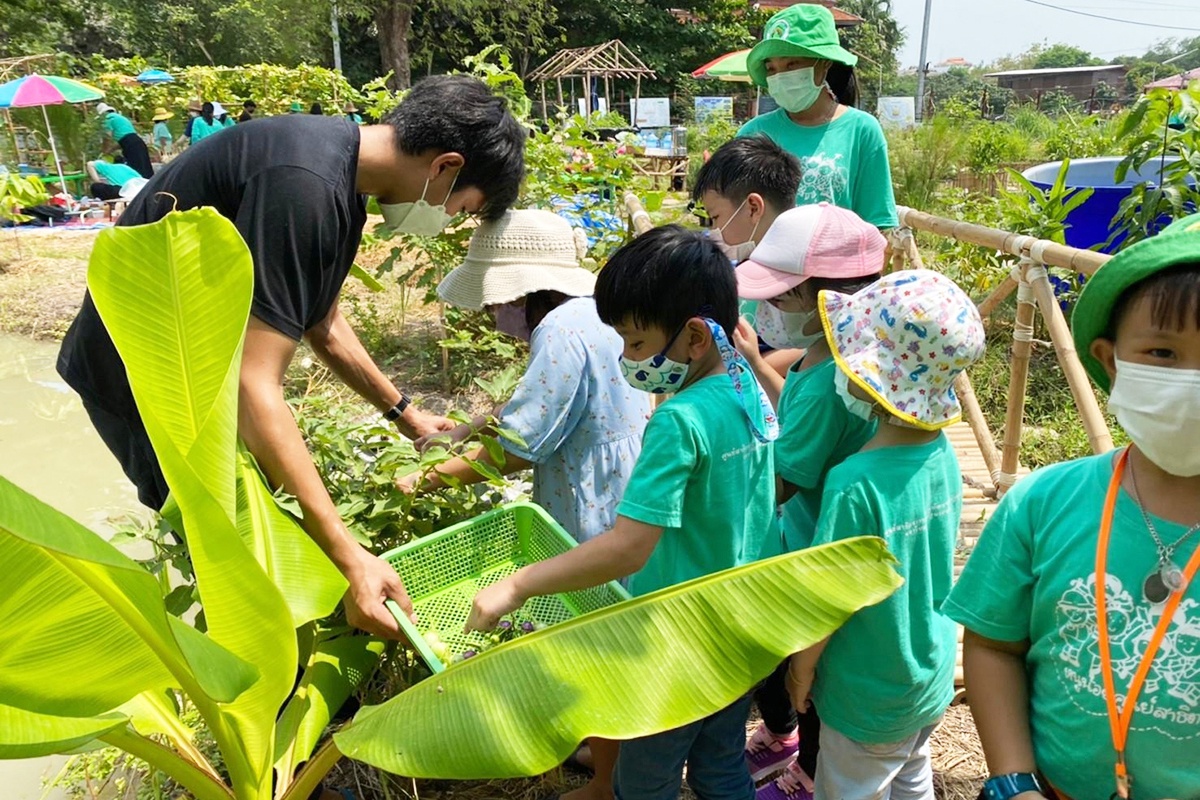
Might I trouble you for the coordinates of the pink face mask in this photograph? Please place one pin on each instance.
(510, 319)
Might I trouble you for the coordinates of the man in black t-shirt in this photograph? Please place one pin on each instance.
(294, 187)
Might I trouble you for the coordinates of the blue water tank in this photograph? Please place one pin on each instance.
(1091, 223)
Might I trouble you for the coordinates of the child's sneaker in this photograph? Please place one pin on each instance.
(767, 753)
(793, 784)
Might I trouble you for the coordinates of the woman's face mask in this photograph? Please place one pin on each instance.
(419, 218)
(796, 90)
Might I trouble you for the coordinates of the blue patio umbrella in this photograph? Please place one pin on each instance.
(153, 77)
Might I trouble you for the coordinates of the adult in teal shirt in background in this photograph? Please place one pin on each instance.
(842, 151)
(118, 128)
(108, 178)
(206, 124)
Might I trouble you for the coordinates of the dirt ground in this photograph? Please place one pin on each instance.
(42, 280)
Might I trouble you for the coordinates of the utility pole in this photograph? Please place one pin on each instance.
(922, 67)
(337, 37)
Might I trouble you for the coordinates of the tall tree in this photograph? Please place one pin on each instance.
(393, 20)
(876, 41)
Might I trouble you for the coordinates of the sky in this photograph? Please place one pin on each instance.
(984, 30)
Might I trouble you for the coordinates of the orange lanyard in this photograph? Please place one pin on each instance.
(1120, 719)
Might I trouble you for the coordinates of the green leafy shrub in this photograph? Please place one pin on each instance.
(923, 157)
(992, 144)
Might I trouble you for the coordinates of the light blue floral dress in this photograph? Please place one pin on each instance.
(580, 421)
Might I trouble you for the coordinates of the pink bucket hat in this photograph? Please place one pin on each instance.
(903, 340)
(812, 241)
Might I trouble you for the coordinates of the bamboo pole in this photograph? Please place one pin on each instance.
(638, 217)
(1052, 253)
(998, 295)
(1010, 450)
(1064, 347)
(910, 249)
(978, 422)
(545, 113)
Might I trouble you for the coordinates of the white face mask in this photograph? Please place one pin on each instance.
(1159, 407)
(736, 253)
(795, 91)
(419, 218)
(782, 329)
(863, 409)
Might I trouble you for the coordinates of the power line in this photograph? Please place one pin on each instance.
(1113, 19)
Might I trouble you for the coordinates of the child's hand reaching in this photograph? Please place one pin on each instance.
(493, 603)
(408, 484)
(745, 339)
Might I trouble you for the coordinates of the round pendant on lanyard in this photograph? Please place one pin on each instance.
(1119, 719)
(737, 366)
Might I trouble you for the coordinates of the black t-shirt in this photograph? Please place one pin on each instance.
(288, 184)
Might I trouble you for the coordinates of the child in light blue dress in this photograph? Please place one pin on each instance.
(579, 420)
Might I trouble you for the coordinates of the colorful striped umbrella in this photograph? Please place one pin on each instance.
(46, 90)
(729, 67)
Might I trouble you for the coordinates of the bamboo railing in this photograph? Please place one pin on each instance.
(1029, 279)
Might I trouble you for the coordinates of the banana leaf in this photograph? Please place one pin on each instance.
(633, 669)
(175, 297)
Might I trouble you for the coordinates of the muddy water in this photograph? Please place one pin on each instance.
(49, 448)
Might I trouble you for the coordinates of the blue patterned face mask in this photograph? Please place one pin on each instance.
(656, 374)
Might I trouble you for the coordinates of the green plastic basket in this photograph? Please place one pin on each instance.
(443, 571)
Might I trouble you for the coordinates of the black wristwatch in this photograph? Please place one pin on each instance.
(393, 413)
(1006, 787)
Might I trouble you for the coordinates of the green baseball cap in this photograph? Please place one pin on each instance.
(1178, 243)
(805, 30)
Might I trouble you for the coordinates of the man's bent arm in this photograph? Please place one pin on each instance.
(266, 425)
(338, 346)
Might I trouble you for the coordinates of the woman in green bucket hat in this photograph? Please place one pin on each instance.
(841, 149)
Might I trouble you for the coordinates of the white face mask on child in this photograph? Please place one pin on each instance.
(783, 329)
(863, 409)
(1159, 407)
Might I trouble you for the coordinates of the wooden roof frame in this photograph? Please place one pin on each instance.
(609, 60)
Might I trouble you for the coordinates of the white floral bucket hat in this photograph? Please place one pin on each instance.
(903, 340)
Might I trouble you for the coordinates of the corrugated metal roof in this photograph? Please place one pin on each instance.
(1013, 73)
(843, 19)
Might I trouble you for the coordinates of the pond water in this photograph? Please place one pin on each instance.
(49, 448)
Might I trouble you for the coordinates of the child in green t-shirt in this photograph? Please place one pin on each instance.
(745, 186)
(1055, 685)
(701, 497)
(807, 250)
(884, 679)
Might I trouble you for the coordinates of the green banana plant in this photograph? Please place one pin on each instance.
(88, 652)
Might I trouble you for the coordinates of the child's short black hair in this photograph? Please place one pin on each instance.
(665, 277)
(459, 114)
(751, 164)
(1174, 296)
(839, 285)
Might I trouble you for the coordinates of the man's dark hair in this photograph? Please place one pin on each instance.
(665, 277)
(1174, 296)
(249, 105)
(459, 114)
(751, 164)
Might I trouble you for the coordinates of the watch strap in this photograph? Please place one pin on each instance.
(393, 413)
(1005, 787)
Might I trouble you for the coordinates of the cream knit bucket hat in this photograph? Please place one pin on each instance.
(524, 251)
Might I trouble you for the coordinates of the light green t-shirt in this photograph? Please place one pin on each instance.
(706, 480)
(1032, 577)
(162, 133)
(202, 129)
(843, 162)
(116, 174)
(816, 433)
(889, 671)
(117, 125)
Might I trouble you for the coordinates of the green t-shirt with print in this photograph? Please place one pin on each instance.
(1032, 577)
(118, 125)
(843, 162)
(889, 671)
(705, 479)
(816, 433)
(116, 174)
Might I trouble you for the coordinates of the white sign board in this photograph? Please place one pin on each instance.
(900, 112)
(651, 112)
(601, 103)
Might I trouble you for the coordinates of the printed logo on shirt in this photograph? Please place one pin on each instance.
(920, 526)
(823, 179)
(1170, 699)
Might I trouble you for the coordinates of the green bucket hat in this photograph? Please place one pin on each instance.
(296, 108)
(805, 30)
(1178, 243)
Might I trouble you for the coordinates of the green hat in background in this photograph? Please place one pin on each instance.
(805, 30)
(296, 108)
(1178, 243)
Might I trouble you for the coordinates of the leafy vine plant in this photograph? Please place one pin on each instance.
(89, 651)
